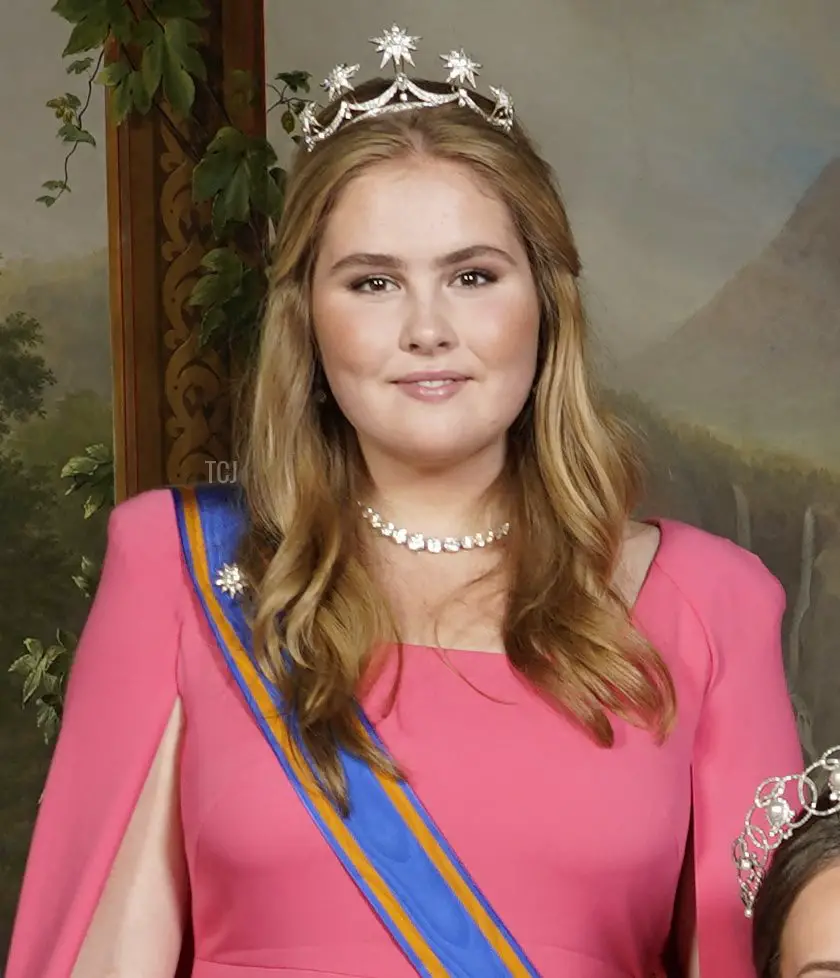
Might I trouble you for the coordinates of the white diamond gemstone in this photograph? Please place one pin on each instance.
(395, 45)
(337, 81)
(834, 783)
(418, 542)
(779, 813)
(462, 69)
(230, 580)
(503, 100)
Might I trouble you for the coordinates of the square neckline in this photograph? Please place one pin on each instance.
(635, 608)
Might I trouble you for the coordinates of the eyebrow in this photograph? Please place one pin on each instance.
(372, 260)
(832, 967)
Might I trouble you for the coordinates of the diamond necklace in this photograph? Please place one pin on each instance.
(433, 545)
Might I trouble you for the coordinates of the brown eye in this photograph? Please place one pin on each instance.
(475, 277)
(374, 283)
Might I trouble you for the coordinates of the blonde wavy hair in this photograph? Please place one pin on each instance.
(571, 477)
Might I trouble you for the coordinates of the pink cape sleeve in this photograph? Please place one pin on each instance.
(120, 695)
(747, 732)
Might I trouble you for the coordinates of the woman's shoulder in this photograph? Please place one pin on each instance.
(712, 572)
(146, 521)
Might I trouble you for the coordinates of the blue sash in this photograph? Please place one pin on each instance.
(388, 843)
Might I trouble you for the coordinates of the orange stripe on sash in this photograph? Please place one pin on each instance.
(331, 818)
(495, 938)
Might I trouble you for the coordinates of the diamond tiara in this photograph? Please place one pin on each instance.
(781, 806)
(396, 45)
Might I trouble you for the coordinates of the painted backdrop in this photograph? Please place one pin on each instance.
(55, 392)
(698, 145)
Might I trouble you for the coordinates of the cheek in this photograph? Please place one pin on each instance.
(507, 339)
(350, 346)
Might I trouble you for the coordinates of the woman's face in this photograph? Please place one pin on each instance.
(426, 314)
(810, 944)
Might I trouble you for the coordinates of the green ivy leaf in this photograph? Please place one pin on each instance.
(267, 192)
(244, 307)
(233, 204)
(180, 63)
(213, 322)
(74, 11)
(71, 133)
(178, 86)
(46, 200)
(288, 121)
(181, 38)
(192, 9)
(79, 465)
(211, 174)
(80, 67)
(230, 140)
(24, 664)
(94, 502)
(88, 34)
(152, 60)
(100, 453)
(71, 101)
(215, 171)
(140, 97)
(56, 185)
(296, 80)
(262, 153)
(114, 73)
(225, 270)
(33, 682)
(224, 261)
(34, 647)
(48, 720)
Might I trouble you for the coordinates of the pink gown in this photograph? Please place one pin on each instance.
(578, 848)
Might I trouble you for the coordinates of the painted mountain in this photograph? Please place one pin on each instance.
(760, 363)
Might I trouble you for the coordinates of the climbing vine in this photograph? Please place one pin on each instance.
(148, 55)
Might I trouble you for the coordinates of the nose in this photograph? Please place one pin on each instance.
(427, 328)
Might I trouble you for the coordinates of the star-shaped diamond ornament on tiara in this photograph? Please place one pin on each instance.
(396, 46)
(338, 80)
(462, 69)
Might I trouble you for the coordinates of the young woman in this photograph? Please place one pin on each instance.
(795, 903)
(423, 698)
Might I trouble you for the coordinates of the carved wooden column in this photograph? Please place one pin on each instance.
(171, 398)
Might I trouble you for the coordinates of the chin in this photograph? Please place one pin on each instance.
(440, 453)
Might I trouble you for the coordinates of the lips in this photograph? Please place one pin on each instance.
(433, 377)
(432, 386)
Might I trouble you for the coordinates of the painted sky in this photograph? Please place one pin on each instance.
(683, 134)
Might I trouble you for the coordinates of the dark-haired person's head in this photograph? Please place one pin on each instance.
(796, 917)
